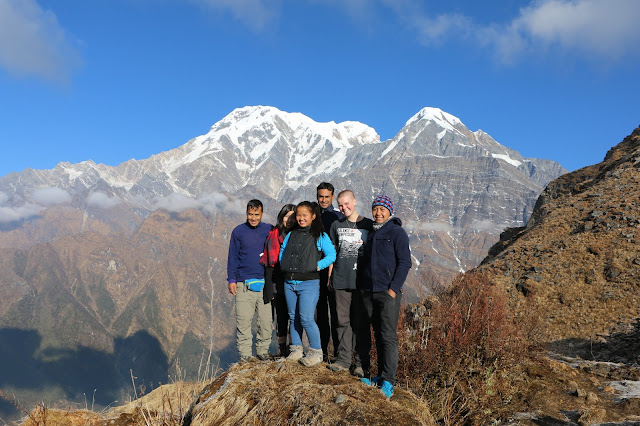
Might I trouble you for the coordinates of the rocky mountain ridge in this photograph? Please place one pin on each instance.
(577, 261)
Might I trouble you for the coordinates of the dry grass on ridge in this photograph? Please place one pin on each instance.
(288, 393)
(165, 405)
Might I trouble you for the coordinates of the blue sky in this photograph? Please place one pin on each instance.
(110, 80)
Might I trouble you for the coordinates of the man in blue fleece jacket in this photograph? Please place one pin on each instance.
(246, 282)
(382, 271)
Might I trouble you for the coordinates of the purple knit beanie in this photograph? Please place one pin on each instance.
(383, 200)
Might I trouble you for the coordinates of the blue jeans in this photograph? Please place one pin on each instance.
(302, 298)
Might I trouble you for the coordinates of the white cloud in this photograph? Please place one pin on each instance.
(428, 226)
(33, 43)
(13, 214)
(431, 29)
(176, 203)
(598, 29)
(220, 202)
(51, 196)
(256, 14)
(212, 202)
(101, 200)
(487, 225)
(10, 214)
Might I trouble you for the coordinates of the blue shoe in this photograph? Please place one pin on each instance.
(371, 382)
(387, 389)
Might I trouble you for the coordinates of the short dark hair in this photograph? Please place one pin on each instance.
(254, 204)
(325, 185)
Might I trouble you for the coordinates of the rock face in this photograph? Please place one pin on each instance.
(93, 255)
(577, 262)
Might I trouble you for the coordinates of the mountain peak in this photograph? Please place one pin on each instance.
(444, 119)
(241, 120)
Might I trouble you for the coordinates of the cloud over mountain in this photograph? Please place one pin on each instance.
(51, 196)
(101, 200)
(10, 214)
(211, 202)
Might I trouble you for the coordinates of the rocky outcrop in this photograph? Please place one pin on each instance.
(288, 393)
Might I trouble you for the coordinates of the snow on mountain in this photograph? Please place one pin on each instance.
(508, 159)
(277, 151)
(439, 117)
(252, 138)
(434, 132)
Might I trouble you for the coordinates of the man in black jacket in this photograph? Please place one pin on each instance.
(325, 195)
(382, 272)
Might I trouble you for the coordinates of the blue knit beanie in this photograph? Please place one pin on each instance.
(383, 200)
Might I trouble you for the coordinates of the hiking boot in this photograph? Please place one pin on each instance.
(283, 350)
(313, 357)
(387, 389)
(358, 372)
(337, 367)
(264, 357)
(295, 353)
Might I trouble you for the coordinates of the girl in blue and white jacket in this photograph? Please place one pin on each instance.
(305, 251)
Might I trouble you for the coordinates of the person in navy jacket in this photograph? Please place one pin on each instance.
(245, 275)
(382, 271)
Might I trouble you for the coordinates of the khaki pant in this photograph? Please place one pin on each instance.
(247, 303)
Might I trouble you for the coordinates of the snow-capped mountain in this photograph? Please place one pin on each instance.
(246, 147)
(450, 183)
(288, 149)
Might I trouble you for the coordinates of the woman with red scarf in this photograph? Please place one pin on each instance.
(274, 278)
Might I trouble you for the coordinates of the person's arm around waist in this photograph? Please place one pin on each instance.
(325, 245)
(283, 246)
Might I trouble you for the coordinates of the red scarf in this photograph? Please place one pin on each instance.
(272, 248)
